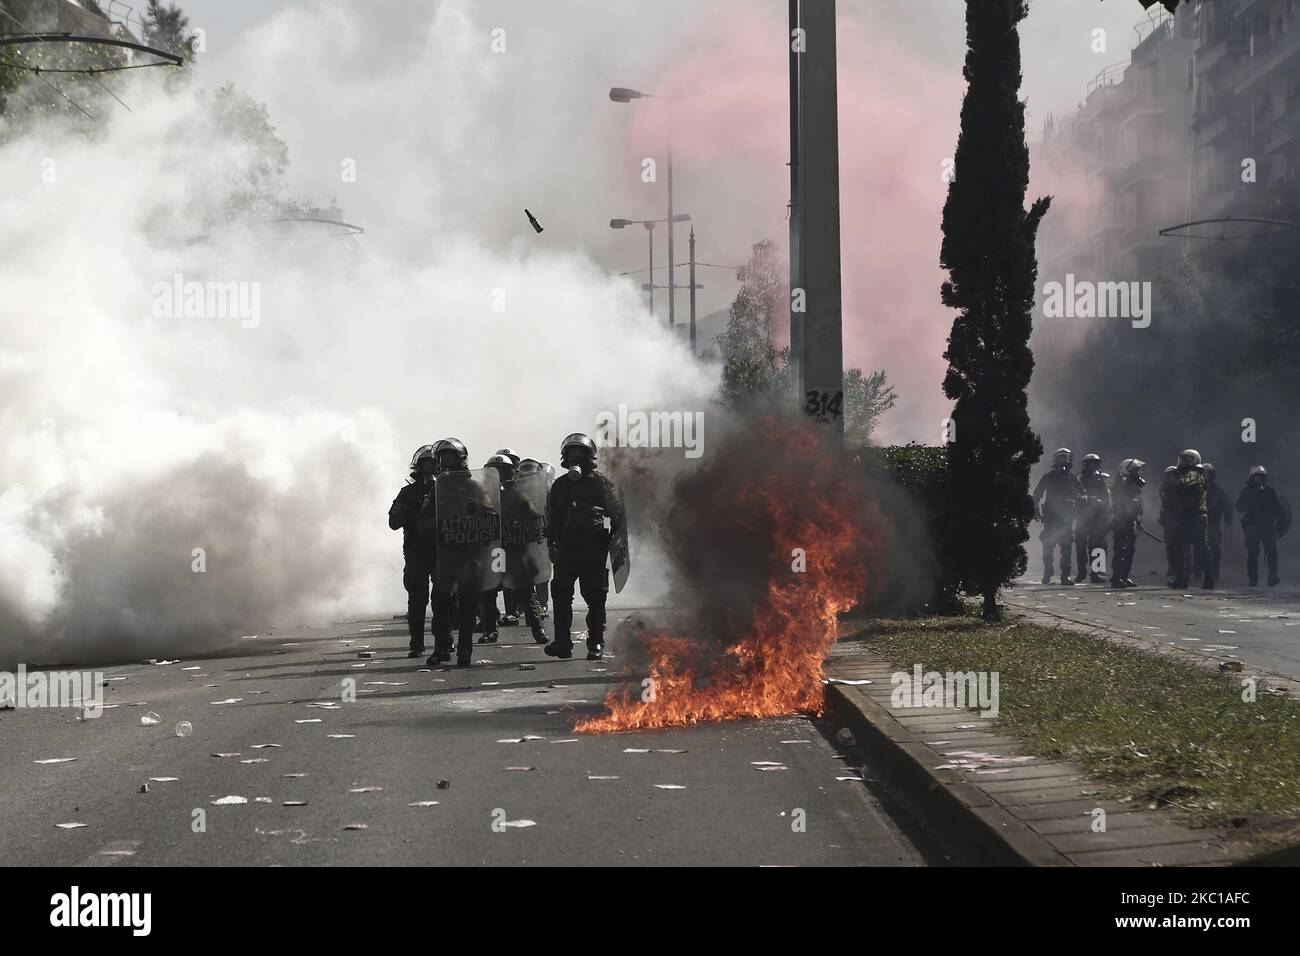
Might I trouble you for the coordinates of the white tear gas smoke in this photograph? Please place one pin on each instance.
(173, 478)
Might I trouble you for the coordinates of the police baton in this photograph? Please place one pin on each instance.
(1150, 535)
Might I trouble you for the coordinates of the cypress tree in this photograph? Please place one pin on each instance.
(988, 252)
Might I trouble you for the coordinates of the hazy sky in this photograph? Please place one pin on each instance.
(561, 148)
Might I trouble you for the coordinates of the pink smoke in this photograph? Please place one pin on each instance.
(898, 122)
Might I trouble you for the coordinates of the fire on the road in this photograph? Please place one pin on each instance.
(773, 667)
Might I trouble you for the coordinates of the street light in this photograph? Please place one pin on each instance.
(622, 94)
(650, 230)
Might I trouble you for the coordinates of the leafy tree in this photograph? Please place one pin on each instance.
(166, 28)
(756, 370)
(866, 398)
(988, 251)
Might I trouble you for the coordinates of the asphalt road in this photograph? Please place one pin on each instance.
(1259, 626)
(683, 796)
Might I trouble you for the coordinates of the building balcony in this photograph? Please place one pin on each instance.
(1268, 55)
(1282, 133)
(1213, 54)
(1224, 122)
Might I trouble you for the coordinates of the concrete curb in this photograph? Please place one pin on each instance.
(986, 829)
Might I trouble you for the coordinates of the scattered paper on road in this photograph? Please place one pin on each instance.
(56, 760)
(229, 801)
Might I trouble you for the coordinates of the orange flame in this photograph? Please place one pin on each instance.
(775, 667)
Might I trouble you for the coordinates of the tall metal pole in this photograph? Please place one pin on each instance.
(823, 333)
(672, 296)
(796, 318)
(692, 289)
(650, 233)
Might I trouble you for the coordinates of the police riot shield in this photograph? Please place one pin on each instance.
(620, 558)
(467, 519)
(523, 531)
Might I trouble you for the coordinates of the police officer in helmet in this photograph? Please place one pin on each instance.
(417, 548)
(584, 513)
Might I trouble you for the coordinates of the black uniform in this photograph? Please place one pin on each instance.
(1126, 519)
(576, 514)
(418, 553)
(1187, 523)
(1218, 509)
(1093, 520)
(1062, 492)
(448, 609)
(1261, 512)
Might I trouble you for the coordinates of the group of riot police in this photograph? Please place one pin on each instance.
(1195, 516)
(512, 526)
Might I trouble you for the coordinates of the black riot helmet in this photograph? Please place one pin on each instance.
(423, 453)
(578, 450)
(1091, 462)
(450, 454)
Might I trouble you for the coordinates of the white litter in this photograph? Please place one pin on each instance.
(150, 719)
(423, 803)
(228, 700)
(255, 760)
(519, 824)
(70, 826)
(229, 801)
(669, 786)
(56, 760)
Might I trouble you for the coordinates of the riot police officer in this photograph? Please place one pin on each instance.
(580, 504)
(524, 492)
(1218, 510)
(1056, 498)
(1263, 516)
(417, 550)
(451, 603)
(1188, 521)
(1093, 520)
(1126, 519)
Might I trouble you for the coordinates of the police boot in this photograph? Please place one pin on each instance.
(539, 633)
(555, 649)
(490, 637)
(1066, 580)
(1080, 577)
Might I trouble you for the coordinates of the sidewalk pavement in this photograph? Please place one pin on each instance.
(1011, 808)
